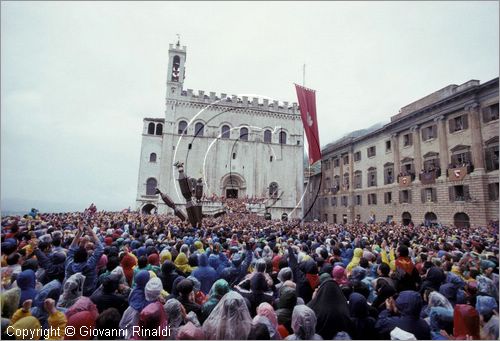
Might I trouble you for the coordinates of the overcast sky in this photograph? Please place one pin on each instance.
(77, 78)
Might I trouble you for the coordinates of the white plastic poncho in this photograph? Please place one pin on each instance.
(153, 289)
(230, 319)
(438, 300)
(303, 324)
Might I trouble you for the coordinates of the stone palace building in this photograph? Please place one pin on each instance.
(435, 161)
(240, 146)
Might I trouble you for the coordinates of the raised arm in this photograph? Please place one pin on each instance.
(99, 250)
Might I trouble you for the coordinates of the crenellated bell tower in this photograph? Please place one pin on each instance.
(176, 69)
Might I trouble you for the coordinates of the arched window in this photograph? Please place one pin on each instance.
(151, 128)
(182, 128)
(273, 189)
(244, 134)
(267, 136)
(152, 157)
(199, 129)
(176, 68)
(151, 184)
(282, 137)
(159, 129)
(225, 131)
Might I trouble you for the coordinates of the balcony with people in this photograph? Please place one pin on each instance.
(431, 171)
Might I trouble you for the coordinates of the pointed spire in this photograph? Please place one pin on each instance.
(178, 40)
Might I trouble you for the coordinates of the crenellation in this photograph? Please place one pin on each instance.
(243, 101)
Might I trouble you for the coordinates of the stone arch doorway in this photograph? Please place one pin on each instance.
(148, 209)
(461, 219)
(233, 186)
(406, 218)
(430, 218)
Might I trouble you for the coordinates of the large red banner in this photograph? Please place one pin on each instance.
(307, 104)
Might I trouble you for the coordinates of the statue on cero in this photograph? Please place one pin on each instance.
(189, 188)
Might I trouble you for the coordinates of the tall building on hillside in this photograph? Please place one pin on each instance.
(435, 161)
(240, 146)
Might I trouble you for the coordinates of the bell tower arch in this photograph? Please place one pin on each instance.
(176, 69)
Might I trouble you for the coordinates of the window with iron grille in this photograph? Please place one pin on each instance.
(357, 179)
(429, 132)
(408, 140)
(490, 113)
(458, 123)
(372, 177)
(371, 151)
(493, 191)
(357, 156)
(387, 197)
(372, 199)
(459, 193)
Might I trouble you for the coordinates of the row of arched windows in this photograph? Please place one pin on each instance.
(152, 183)
(199, 129)
(155, 129)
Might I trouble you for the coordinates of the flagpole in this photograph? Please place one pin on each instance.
(303, 146)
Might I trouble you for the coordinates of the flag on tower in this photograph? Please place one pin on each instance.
(307, 104)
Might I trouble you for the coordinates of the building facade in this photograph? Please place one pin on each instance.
(240, 146)
(435, 161)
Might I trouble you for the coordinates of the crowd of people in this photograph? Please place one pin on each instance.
(125, 275)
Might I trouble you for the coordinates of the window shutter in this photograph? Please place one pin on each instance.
(451, 193)
(400, 197)
(466, 193)
(451, 125)
(409, 196)
(468, 157)
(410, 139)
(434, 195)
(454, 159)
(486, 114)
(369, 199)
(385, 198)
(491, 194)
(465, 121)
(424, 134)
(422, 195)
(488, 159)
(434, 131)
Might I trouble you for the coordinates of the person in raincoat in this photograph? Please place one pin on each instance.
(26, 282)
(286, 303)
(230, 319)
(408, 306)
(218, 290)
(72, 290)
(205, 273)
(50, 290)
(303, 324)
(363, 324)
(332, 311)
(137, 302)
